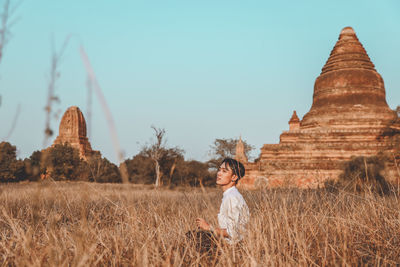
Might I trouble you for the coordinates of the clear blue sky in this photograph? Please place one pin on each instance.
(200, 69)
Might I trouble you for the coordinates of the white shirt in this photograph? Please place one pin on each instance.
(233, 215)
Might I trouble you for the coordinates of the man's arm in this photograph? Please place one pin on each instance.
(206, 226)
(235, 217)
(220, 232)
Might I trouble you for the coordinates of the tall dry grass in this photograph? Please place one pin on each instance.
(80, 224)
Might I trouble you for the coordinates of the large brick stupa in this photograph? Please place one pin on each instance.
(349, 117)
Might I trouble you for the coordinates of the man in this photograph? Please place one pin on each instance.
(234, 213)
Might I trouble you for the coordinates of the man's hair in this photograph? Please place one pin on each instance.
(236, 167)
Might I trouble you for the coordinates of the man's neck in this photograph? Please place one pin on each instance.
(226, 187)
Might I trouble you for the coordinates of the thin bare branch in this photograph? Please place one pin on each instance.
(7, 21)
(14, 123)
(51, 97)
(4, 27)
(107, 113)
(89, 107)
(5, 35)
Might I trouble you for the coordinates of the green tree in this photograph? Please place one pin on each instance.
(226, 148)
(174, 169)
(169, 161)
(141, 167)
(164, 159)
(62, 162)
(11, 169)
(193, 173)
(33, 166)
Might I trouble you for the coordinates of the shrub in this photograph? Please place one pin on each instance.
(362, 174)
(102, 171)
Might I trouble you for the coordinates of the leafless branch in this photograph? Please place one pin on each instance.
(89, 107)
(51, 97)
(159, 143)
(14, 122)
(5, 34)
(107, 113)
(6, 24)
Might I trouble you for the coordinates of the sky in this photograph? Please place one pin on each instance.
(200, 69)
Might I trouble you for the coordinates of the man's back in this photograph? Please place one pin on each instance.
(233, 214)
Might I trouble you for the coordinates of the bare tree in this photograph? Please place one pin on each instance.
(155, 151)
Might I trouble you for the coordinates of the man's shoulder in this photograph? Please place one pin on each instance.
(232, 192)
(234, 195)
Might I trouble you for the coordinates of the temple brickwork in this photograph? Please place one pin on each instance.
(72, 130)
(349, 117)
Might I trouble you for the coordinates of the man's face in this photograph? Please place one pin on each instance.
(224, 174)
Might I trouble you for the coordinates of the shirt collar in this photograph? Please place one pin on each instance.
(231, 189)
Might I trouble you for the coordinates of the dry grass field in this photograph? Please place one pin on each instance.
(83, 224)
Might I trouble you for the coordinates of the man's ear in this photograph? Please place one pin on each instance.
(234, 178)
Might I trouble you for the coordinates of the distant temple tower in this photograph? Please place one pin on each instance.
(240, 154)
(349, 117)
(73, 131)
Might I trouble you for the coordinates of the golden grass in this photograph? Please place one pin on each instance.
(81, 224)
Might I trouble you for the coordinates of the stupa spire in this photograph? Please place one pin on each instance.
(294, 122)
(348, 53)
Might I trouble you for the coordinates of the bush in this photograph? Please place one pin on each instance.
(362, 174)
(103, 171)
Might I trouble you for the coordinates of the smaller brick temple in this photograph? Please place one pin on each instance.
(72, 130)
(349, 117)
(240, 153)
